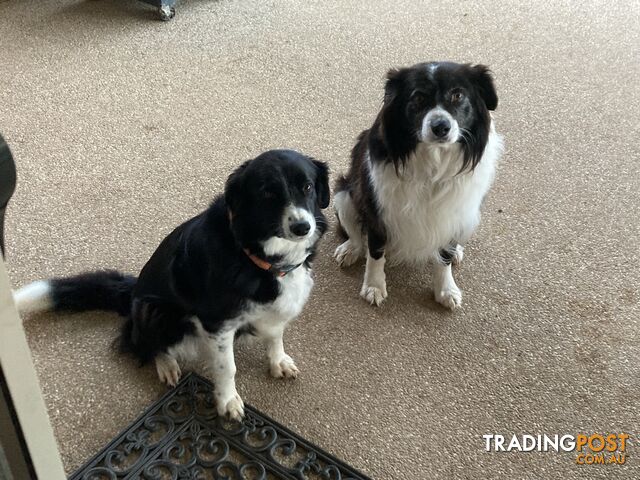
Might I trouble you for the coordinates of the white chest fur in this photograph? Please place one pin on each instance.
(295, 288)
(427, 206)
(268, 318)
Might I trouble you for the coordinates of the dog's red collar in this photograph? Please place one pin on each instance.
(263, 264)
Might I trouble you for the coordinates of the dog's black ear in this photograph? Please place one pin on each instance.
(395, 79)
(233, 187)
(322, 183)
(483, 81)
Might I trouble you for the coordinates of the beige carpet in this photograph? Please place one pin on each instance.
(123, 126)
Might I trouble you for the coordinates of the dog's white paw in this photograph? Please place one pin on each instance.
(450, 297)
(233, 408)
(374, 295)
(346, 254)
(168, 369)
(458, 255)
(284, 368)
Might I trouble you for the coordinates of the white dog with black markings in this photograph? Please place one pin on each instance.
(419, 175)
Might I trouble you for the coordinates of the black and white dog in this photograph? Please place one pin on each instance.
(242, 266)
(419, 174)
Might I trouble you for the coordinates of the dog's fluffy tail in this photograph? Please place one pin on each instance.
(103, 290)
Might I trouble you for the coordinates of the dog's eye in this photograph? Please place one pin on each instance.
(307, 188)
(267, 195)
(418, 99)
(457, 97)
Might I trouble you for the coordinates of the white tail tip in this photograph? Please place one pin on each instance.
(35, 297)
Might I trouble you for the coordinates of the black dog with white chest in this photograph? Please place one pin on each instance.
(241, 266)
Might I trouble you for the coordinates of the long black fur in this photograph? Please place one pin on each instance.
(103, 290)
(200, 269)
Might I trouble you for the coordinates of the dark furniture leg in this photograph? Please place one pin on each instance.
(7, 184)
(166, 8)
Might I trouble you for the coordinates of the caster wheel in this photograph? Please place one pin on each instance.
(166, 13)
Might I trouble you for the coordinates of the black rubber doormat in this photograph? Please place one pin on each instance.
(181, 437)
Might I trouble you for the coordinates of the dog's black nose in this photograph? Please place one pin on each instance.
(300, 228)
(440, 127)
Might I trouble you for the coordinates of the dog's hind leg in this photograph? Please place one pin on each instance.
(167, 363)
(160, 333)
(453, 254)
(353, 248)
(168, 369)
(186, 350)
(458, 255)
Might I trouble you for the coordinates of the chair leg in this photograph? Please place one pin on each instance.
(2, 210)
(166, 8)
(7, 184)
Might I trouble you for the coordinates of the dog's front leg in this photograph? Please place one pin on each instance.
(281, 365)
(374, 287)
(223, 370)
(445, 289)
